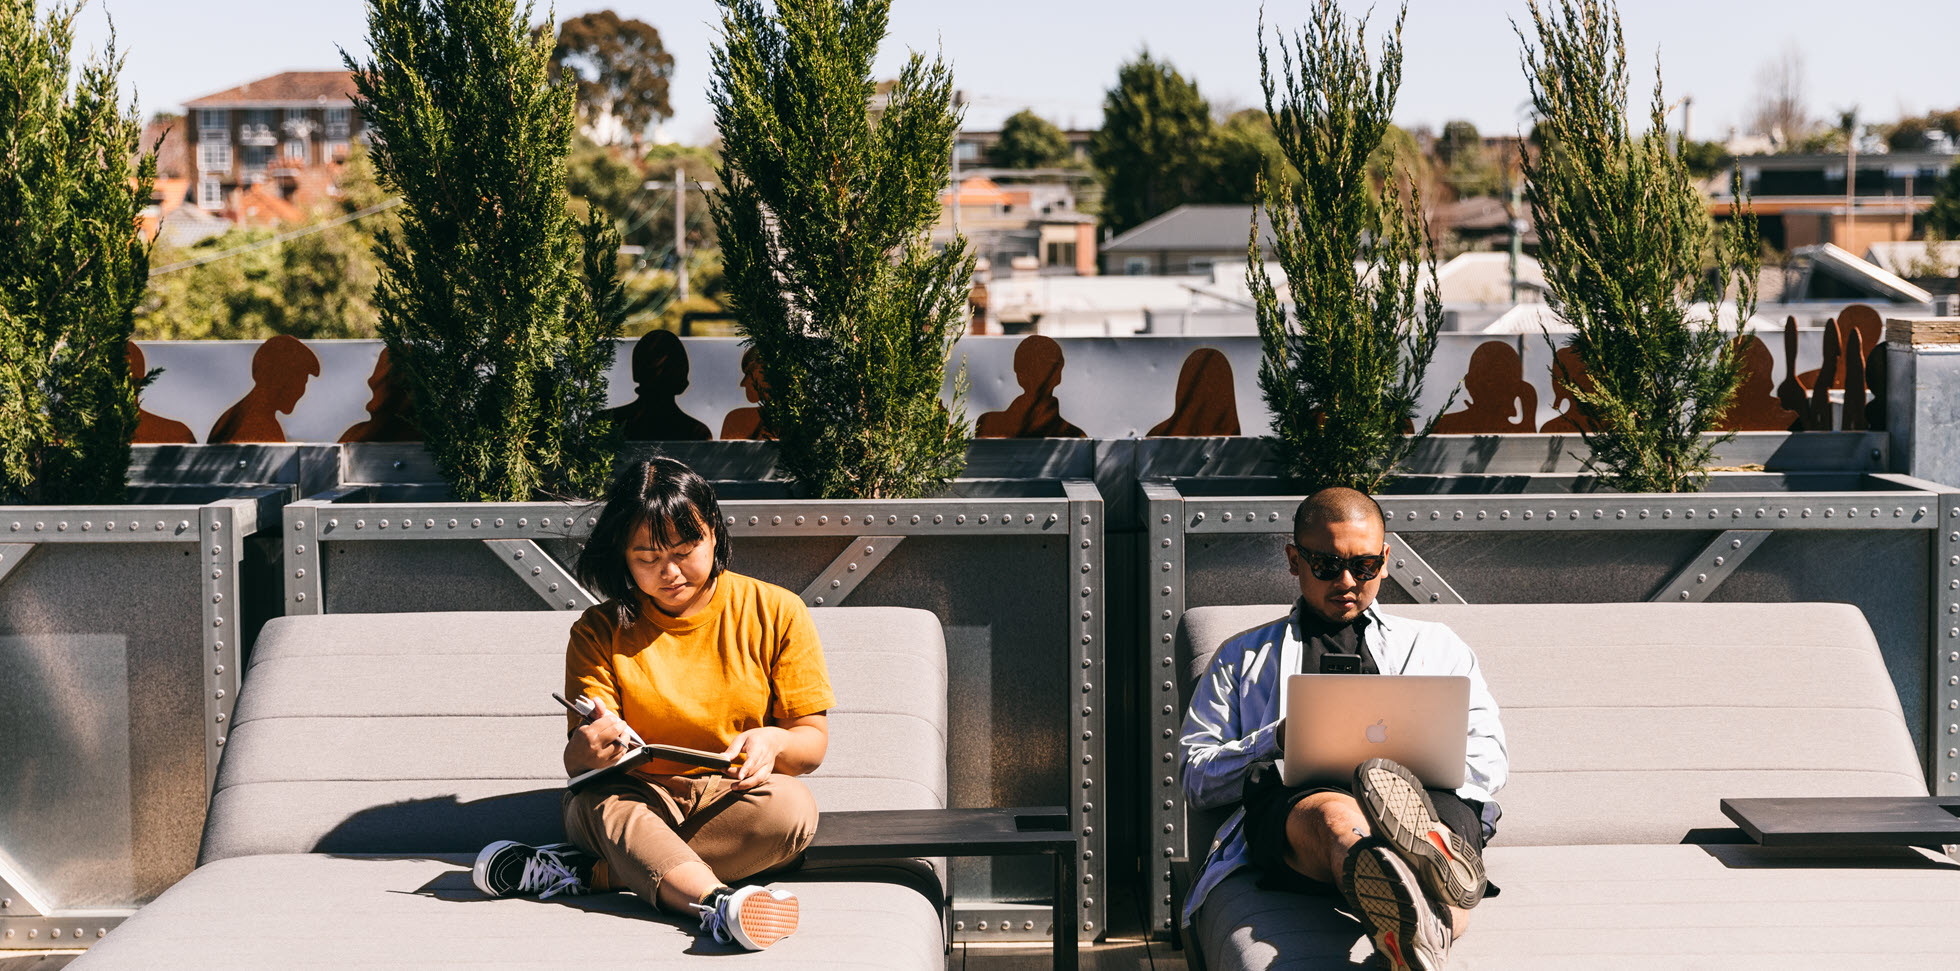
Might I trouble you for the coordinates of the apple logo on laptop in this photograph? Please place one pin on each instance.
(1378, 732)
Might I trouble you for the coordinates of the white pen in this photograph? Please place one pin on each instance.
(586, 708)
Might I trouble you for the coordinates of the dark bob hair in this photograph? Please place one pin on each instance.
(675, 503)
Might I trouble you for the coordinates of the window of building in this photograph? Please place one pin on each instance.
(337, 151)
(212, 123)
(1198, 267)
(213, 156)
(1061, 254)
(966, 151)
(296, 151)
(211, 194)
(253, 161)
(337, 119)
(1136, 266)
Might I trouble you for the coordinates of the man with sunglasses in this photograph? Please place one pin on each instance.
(1407, 860)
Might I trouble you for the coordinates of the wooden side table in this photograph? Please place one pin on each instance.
(908, 833)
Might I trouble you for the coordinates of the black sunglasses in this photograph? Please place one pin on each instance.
(1327, 566)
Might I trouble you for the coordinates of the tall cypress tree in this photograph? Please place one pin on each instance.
(824, 219)
(72, 264)
(1343, 358)
(1626, 244)
(502, 308)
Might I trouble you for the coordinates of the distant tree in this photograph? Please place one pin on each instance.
(1029, 141)
(1467, 167)
(1706, 159)
(1150, 151)
(72, 265)
(1779, 109)
(1911, 134)
(1239, 154)
(320, 285)
(621, 68)
(1944, 218)
(499, 305)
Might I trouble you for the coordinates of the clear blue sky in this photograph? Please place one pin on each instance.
(1058, 56)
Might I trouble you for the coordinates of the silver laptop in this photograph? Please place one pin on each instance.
(1335, 722)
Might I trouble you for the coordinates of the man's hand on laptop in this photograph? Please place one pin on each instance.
(597, 743)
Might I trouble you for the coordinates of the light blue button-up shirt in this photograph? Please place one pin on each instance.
(1233, 723)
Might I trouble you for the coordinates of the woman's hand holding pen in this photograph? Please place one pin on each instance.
(599, 742)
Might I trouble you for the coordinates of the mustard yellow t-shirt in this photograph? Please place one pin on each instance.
(750, 658)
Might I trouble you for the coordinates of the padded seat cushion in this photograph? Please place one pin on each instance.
(320, 911)
(1636, 907)
(436, 732)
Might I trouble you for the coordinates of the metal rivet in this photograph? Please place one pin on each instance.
(537, 570)
(1164, 519)
(754, 520)
(1718, 560)
(299, 596)
(819, 601)
(1684, 594)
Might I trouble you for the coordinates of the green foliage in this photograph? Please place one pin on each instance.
(1909, 134)
(1705, 160)
(72, 264)
(1243, 153)
(1624, 239)
(824, 222)
(1342, 371)
(1150, 151)
(501, 307)
(1467, 166)
(620, 67)
(316, 286)
(1029, 141)
(1943, 219)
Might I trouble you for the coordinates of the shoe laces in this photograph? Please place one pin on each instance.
(547, 872)
(713, 921)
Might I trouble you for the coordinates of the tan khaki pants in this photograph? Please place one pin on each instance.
(641, 828)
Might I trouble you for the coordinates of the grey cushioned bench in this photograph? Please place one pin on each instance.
(1627, 725)
(373, 754)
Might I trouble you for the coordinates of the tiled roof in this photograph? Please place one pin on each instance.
(292, 86)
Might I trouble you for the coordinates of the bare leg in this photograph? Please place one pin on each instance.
(686, 884)
(1319, 831)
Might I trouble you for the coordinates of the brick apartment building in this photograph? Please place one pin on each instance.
(265, 149)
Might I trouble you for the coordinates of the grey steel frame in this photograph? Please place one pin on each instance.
(876, 526)
(1745, 518)
(219, 529)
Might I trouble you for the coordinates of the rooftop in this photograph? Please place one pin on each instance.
(290, 89)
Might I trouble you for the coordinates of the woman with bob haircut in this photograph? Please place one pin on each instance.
(685, 652)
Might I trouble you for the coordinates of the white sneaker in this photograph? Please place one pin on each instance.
(1409, 932)
(508, 868)
(754, 917)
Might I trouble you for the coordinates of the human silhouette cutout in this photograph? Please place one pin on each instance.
(746, 423)
(391, 410)
(1496, 389)
(1035, 413)
(1875, 380)
(660, 371)
(1206, 404)
(1568, 374)
(1756, 408)
(153, 429)
(280, 368)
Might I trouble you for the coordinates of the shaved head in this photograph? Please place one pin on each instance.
(1337, 504)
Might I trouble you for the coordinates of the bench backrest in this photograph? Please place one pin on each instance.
(1629, 723)
(436, 732)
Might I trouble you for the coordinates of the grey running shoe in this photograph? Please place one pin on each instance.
(1400, 812)
(507, 869)
(1410, 934)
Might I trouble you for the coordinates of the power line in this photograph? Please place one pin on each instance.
(279, 239)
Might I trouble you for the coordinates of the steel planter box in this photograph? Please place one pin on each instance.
(120, 637)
